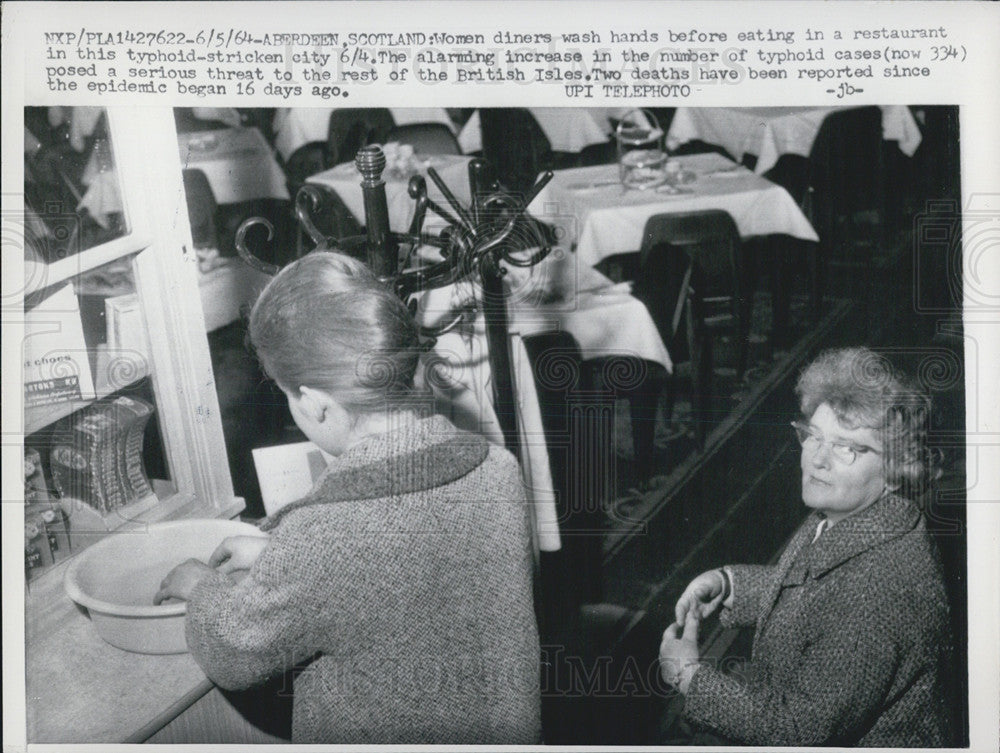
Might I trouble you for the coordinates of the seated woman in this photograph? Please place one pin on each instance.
(851, 643)
(400, 588)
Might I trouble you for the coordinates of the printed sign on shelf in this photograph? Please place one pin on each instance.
(56, 363)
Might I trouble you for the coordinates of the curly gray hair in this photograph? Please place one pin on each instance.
(863, 389)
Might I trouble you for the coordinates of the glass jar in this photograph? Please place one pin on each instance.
(642, 159)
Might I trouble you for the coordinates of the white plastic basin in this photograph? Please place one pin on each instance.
(117, 578)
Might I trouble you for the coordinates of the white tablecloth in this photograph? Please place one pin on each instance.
(769, 132)
(237, 162)
(569, 129)
(592, 211)
(297, 126)
(557, 295)
(346, 181)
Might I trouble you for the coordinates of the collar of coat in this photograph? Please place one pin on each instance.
(889, 518)
(416, 455)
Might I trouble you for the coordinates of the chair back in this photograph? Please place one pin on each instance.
(201, 206)
(689, 252)
(426, 138)
(846, 163)
(691, 266)
(307, 160)
(352, 128)
(515, 143)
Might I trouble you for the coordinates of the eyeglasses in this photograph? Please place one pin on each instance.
(844, 452)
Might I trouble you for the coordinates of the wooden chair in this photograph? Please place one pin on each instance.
(202, 208)
(846, 173)
(843, 176)
(426, 138)
(307, 160)
(693, 280)
(352, 128)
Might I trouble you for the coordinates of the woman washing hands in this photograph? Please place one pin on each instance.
(234, 555)
(399, 589)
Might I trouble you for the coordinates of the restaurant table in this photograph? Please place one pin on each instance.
(768, 132)
(345, 180)
(237, 162)
(568, 129)
(559, 294)
(295, 127)
(594, 214)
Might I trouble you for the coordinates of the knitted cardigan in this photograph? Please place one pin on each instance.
(400, 590)
(852, 640)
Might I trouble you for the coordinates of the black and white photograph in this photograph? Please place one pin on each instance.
(630, 418)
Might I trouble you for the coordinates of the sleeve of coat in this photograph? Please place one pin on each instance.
(749, 584)
(241, 632)
(840, 681)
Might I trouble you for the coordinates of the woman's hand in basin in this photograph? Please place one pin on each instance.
(237, 553)
(180, 581)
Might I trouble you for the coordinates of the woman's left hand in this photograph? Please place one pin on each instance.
(679, 654)
(180, 581)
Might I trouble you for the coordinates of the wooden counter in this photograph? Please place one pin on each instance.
(83, 690)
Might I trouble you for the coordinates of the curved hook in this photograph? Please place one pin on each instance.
(518, 210)
(425, 278)
(417, 190)
(492, 240)
(432, 333)
(244, 251)
(531, 261)
(309, 199)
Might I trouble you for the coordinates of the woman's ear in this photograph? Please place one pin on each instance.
(315, 403)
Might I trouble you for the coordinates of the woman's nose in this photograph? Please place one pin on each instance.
(820, 456)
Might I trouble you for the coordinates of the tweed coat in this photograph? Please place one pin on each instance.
(851, 644)
(400, 589)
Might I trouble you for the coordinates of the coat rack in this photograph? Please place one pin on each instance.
(473, 243)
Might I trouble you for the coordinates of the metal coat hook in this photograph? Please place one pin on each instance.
(244, 251)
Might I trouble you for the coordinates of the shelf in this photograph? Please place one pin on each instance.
(54, 273)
